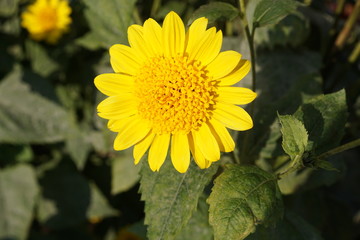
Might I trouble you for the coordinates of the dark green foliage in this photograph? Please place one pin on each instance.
(242, 198)
(171, 197)
(61, 179)
(215, 11)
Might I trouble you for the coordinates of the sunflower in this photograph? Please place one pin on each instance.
(47, 19)
(172, 88)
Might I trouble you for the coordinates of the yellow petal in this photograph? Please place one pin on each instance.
(173, 35)
(131, 134)
(116, 125)
(118, 107)
(235, 95)
(195, 34)
(137, 41)
(153, 36)
(142, 146)
(202, 41)
(124, 59)
(223, 64)
(197, 155)
(237, 74)
(222, 135)
(232, 116)
(210, 48)
(158, 151)
(114, 83)
(180, 152)
(207, 143)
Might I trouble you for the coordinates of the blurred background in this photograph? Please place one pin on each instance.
(59, 175)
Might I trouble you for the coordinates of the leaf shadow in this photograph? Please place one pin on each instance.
(314, 124)
(65, 197)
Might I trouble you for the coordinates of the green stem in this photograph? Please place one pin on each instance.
(154, 8)
(349, 25)
(340, 149)
(295, 165)
(354, 54)
(250, 38)
(137, 17)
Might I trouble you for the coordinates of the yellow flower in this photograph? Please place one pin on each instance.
(47, 19)
(172, 87)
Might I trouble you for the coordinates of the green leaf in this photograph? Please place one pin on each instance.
(295, 137)
(10, 26)
(124, 173)
(65, 197)
(8, 7)
(108, 21)
(264, 12)
(78, 146)
(294, 181)
(11, 154)
(99, 205)
(303, 89)
(324, 118)
(171, 197)
(292, 31)
(18, 191)
(215, 11)
(26, 116)
(177, 6)
(40, 61)
(283, 88)
(198, 226)
(243, 197)
(291, 227)
(326, 165)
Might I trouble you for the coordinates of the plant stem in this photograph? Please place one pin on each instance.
(354, 54)
(295, 165)
(154, 8)
(250, 40)
(350, 22)
(340, 149)
(137, 17)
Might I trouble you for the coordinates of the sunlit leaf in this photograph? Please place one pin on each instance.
(108, 21)
(198, 226)
(8, 7)
(26, 116)
(99, 206)
(39, 58)
(18, 191)
(78, 146)
(295, 137)
(171, 197)
(324, 118)
(242, 198)
(264, 12)
(215, 11)
(124, 173)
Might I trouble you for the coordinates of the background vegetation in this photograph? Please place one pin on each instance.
(61, 179)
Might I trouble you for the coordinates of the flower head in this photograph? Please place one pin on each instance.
(172, 87)
(47, 19)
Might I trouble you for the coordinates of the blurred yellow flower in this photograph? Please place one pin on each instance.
(172, 87)
(47, 19)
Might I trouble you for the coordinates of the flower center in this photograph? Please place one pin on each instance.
(48, 18)
(175, 94)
